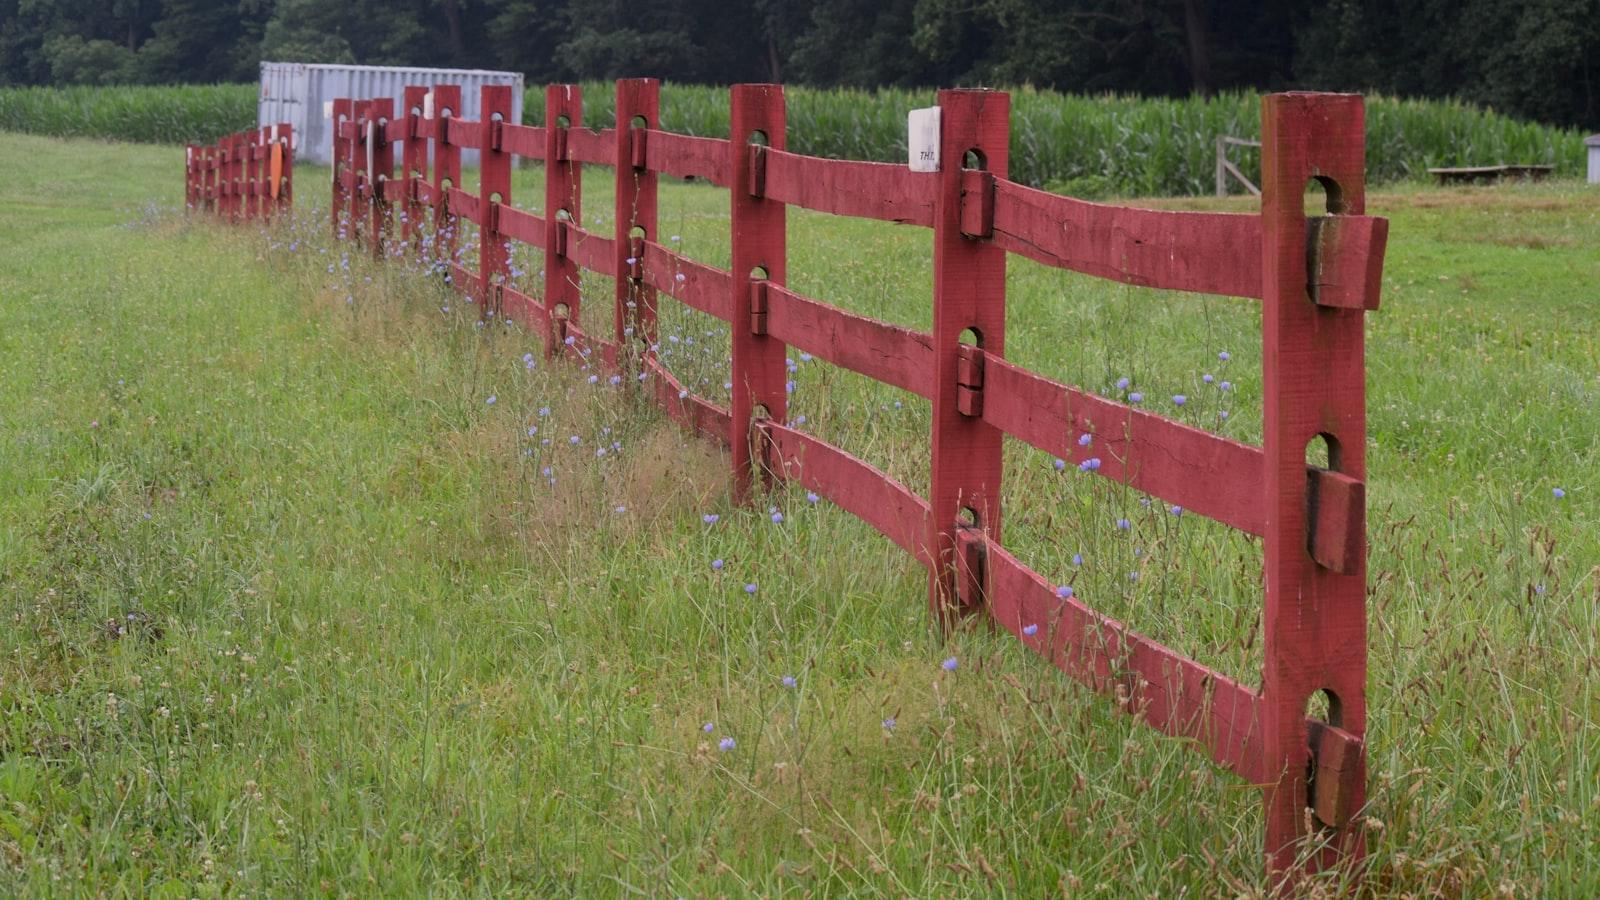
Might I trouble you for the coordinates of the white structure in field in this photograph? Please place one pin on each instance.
(1592, 144)
(303, 93)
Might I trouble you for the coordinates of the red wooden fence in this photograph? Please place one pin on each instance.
(1316, 278)
(245, 175)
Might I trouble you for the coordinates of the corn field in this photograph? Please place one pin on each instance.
(1096, 146)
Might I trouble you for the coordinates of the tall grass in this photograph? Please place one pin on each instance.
(1088, 146)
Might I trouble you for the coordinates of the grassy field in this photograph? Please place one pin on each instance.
(294, 607)
(1093, 146)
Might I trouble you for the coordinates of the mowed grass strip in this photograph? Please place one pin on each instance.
(294, 607)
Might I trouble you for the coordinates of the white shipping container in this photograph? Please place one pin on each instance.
(302, 94)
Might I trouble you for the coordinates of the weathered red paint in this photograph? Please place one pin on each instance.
(446, 170)
(894, 355)
(378, 114)
(1315, 280)
(563, 195)
(759, 243)
(969, 292)
(413, 165)
(682, 156)
(638, 109)
(1315, 624)
(526, 141)
(494, 189)
(705, 288)
(592, 147)
(862, 490)
(343, 112)
(867, 190)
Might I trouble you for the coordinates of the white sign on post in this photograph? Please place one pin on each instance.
(427, 105)
(327, 109)
(922, 137)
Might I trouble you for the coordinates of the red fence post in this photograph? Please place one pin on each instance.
(360, 178)
(285, 197)
(969, 294)
(563, 107)
(236, 151)
(188, 176)
(638, 109)
(494, 188)
(758, 117)
(205, 176)
(343, 111)
(446, 172)
(380, 165)
(1314, 389)
(251, 140)
(224, 177)
(413, 167)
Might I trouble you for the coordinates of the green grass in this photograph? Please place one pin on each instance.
(1087, 146)
(292, 609)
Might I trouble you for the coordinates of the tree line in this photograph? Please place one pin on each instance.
(1539, 59)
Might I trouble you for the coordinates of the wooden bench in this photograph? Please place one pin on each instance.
(1474, 174)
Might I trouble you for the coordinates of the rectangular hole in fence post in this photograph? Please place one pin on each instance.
(446, 172)
(380, 158)
(758, 117)
(563, 109)
(969, 284)
(1314, 624)
(638, 109)
(413, 166)
(494, 186)
(343, 111)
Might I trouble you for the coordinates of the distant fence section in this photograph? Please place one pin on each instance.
(1316, 278)
(1226, 167)
(246, 175)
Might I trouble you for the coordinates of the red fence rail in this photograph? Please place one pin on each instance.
(1316, 276)
(246, 175)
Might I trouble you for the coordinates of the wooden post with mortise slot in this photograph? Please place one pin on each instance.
(494, 188)
(380, 168)
(446, 173)
(1315, 638)
(759, 248)
(563, 197)
(969, 284)
(343, 111)
(413, 167)
(638, 110)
